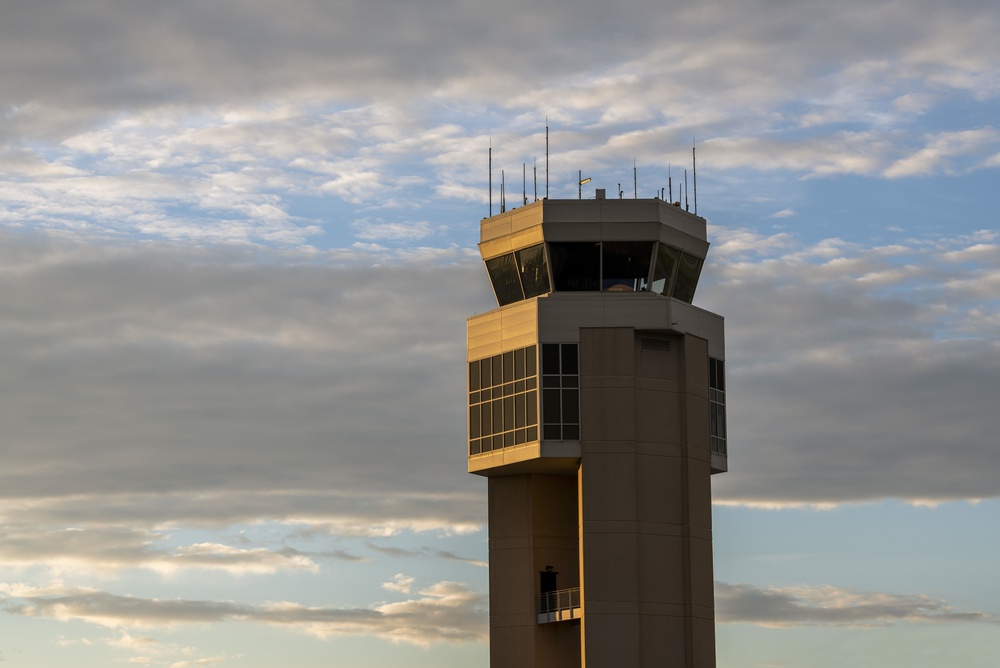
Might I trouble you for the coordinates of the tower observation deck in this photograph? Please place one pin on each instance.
(597, 413)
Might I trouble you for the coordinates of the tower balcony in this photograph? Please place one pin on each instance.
(560, 605)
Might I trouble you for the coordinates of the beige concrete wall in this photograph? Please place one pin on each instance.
(533, 524)
(644, 493)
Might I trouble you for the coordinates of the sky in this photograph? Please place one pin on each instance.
(237, 251)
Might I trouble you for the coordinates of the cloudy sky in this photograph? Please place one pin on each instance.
(237, 251)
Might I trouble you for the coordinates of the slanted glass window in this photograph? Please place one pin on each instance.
(503, 400)
(561, 393)
(625, 265)
(534, 271)
(576, 266)
(504, 276)
(688, 271)
(663, 273)
(717, 403)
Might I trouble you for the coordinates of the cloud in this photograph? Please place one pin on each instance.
(399, 582)
(442, 612)
(857, 373)
(156, 371)
(372, 231)
(151, 384)
(242, 123)
(940, 150)
(830, 606)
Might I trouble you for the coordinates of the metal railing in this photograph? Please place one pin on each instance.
(561, 599)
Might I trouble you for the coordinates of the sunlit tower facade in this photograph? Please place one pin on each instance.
(597, 413)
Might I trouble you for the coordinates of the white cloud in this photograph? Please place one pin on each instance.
(399, 582)
(940, 151)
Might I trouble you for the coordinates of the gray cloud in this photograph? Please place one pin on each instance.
(860, 373)
(830, 606)
(138, 372)
(147, 386)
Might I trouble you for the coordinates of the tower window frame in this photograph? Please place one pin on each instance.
(561, 391)
(503, 400)
(717, 405)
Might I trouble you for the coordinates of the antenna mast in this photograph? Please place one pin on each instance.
(686, 207)
(546, 157)
(524, 185)
(635, 181)
(670, 184)
(491, 177)
(534, 176)
(694, 175)
(503, 194)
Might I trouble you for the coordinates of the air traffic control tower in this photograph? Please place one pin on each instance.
(597, 413)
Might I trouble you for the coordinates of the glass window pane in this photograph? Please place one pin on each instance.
(551, 411)
(485, 380)
(625, 265)
(474, 422)
(497, 362)
(688, 271)
(571, 406)
(576, 266)
(552, 432)
(534, 271)
(508, 413)
(508, 367)
(532, 434)
(663, 272)
(530, 361)
(486, 419)
(570, 365)
(504, 276)
(519, 364)
(473, 376)
(531, 409)
(475, 447)
(571, 432)
(497, 411)
(520, 436)
(519, 411)
(550, 358)
(508, 439)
